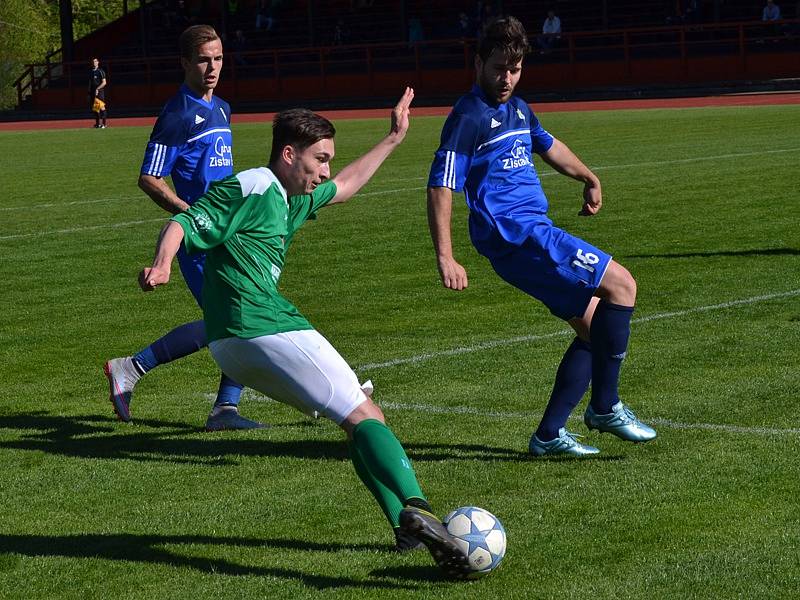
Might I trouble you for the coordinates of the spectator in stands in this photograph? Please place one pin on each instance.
(97, 93)
(266, 11)
(464, 27)
(341, 33)
(233, 10)
(239, 45)
(694, 11)
(485, 12)
(415, 33)
(771, 12)
(551, 32)
(797, 16)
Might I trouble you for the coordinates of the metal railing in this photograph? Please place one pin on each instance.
(625, 45)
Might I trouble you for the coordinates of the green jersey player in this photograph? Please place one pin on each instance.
(245, 224)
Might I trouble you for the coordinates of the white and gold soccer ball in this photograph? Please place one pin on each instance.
(481, 535)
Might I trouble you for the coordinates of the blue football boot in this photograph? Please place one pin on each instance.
(227, 417)
(566, 444)
(621, 422)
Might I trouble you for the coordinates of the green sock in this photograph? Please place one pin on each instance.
(389, 502)
(386, 461)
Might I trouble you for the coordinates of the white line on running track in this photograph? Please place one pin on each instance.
(564, 332)
(413, 189)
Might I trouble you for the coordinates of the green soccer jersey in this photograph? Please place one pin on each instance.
(245, 223)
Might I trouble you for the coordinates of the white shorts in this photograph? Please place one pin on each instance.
(299, 368)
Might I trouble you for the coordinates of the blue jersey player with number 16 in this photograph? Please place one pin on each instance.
(486, 152)
(191, 142)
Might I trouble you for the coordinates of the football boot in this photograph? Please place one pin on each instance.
(566, 444)
(428, 529)
(621, 422)
(228, 417)
(122, 377)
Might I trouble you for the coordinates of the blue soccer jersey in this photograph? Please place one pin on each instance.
(192, 143)
(486, 152)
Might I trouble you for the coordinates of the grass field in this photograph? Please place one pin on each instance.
(700, 204)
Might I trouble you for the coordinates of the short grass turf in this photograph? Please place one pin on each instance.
(700, 205)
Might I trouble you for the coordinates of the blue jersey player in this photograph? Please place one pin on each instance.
(486, 151)
(191, 142)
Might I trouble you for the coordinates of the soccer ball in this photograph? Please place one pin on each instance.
(481, 535)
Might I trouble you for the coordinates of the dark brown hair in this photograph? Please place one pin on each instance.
(300, 128)
(195, 36)
(507, 35)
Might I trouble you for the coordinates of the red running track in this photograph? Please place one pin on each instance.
(760, 99)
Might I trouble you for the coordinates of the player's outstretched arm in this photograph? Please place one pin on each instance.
(166, 248)
(162, 194)
(355, 175)
(563, 160)
(440, 209)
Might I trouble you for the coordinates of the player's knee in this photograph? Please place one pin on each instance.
(628, 287)
(619, 286)
(366, 410)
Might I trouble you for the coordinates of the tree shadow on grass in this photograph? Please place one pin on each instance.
(93, 436)
(154, 549)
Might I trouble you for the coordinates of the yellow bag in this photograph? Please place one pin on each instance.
(98, 105)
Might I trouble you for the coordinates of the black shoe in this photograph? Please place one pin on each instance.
(428, 529)
(406, 543)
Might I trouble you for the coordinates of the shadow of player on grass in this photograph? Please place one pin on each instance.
(153, 549)
(93, 436)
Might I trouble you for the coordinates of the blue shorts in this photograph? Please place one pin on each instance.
(192, 270)
(557, 268)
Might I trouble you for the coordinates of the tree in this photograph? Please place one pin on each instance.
(30, 29)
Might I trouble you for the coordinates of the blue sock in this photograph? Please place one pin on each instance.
(609, 333)
(572, 380)
(179, 342)
(229, 392)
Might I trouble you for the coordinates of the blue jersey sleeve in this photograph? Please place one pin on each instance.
(541, 140)
(452, 160)
(166, 141)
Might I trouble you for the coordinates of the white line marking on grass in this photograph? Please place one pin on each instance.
(79, 229)
(564, 332)
(254, 396)
(73, 203)
(658, 163)
(678, 161)
(418, 188)
(468, 410)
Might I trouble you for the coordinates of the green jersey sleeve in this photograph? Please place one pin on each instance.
(305, 206)
(215, 217)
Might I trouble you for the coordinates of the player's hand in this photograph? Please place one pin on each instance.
(453, 275)
(592, 199)
(152, 277)
(400, 114)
